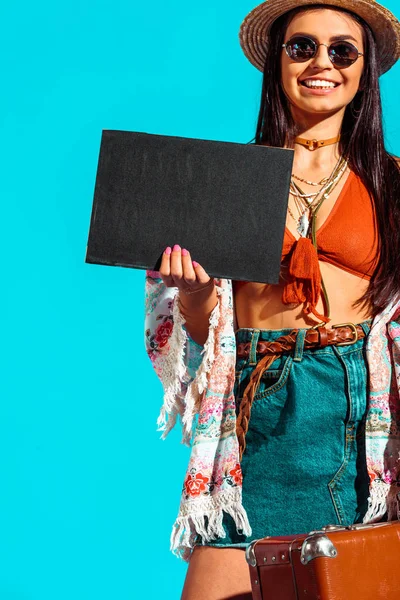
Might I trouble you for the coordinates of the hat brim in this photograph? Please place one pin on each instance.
(254, 30)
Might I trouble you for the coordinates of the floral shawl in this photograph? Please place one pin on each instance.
(198, 386)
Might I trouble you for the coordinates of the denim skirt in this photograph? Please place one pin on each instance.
(304, 465)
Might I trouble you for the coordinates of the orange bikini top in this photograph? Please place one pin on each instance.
(347, 239)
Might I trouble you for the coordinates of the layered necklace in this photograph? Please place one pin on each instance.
(307, 205)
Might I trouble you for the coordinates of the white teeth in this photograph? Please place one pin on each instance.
(318, 83)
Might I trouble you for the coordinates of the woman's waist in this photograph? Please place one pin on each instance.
(346, 333)
(261, 306)
(280, 317)
(255, 346)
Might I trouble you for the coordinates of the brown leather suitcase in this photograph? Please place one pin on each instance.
(336, 563)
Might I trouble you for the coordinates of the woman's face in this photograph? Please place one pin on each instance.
(323, 26)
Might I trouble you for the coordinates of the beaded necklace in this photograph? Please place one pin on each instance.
(307, 204)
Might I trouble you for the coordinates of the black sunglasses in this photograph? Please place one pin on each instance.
(341, 54)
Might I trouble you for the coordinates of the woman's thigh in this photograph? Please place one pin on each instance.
(217, 574)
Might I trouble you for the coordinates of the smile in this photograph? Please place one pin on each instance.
(319, 84)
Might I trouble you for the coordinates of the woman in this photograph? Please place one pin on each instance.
(295, 419)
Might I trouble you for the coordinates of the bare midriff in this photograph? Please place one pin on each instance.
(260, 306)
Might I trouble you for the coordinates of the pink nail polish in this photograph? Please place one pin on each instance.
(184, 252)
(168, 250)
(177, 248)
(195, 264)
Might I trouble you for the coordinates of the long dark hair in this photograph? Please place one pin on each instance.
(361, 143)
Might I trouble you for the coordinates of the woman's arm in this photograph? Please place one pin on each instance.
(196, 309)
(197, 294)
(179, 361)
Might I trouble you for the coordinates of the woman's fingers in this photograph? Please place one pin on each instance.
(189, 274)
(178, 270)
(201, 275)
(171, 269)
(176, 265)
(165, 268)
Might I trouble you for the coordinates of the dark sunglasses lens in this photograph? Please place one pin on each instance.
(301, 49)
(343, 54)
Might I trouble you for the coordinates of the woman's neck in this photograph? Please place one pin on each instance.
(317, 127)
(322, 159)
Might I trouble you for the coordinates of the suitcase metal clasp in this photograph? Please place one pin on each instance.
(250, 554)
(316, 546)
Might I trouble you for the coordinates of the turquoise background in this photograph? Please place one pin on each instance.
(88, 491)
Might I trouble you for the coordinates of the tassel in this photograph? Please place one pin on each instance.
(305, 286)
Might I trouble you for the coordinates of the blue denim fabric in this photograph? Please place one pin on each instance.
(304, 465)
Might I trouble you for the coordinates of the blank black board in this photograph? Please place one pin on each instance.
(225, 202)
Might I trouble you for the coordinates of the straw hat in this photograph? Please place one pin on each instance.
(386, 28)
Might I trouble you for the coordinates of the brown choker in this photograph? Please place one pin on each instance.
(314, 144)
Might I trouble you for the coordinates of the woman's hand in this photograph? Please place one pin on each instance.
(178, 270)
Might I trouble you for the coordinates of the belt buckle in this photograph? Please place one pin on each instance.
(353, 328)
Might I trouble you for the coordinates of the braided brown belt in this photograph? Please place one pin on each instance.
(340, 335)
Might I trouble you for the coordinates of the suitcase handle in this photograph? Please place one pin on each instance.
(354, 527)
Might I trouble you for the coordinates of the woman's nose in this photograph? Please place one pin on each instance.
(321, 60)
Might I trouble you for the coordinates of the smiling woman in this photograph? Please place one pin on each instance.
(340, 62)
(287, 380)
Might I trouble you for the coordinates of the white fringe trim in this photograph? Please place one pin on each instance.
(188, 525)
(200, 382)
(383, 498)
(174, 372)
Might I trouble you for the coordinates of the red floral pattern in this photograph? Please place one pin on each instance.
(163, 332)
(236, 474)
(195, 484)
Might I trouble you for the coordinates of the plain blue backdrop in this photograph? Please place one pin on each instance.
(88, 492)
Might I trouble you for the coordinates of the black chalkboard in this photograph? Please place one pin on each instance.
(225, 202)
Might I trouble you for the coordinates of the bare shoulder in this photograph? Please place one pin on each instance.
(397, 159)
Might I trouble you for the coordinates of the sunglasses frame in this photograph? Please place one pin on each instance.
(316, 45)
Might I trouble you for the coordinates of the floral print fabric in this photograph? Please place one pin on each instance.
(383, 418)
(198, 388)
